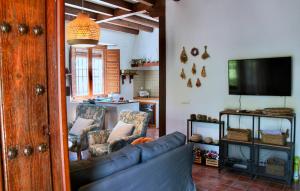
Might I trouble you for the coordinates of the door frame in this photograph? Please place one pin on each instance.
(57, 90)
(162, 69)
(57, 95)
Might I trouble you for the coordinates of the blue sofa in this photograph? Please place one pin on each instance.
(161, 165)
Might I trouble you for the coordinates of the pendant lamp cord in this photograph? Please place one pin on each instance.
(82, 3)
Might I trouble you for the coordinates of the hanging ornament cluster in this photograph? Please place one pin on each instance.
(184, 59)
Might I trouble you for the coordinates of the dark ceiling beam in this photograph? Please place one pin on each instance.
(148, 2)
(75, 11)
(119, 22)
(119, 28)
(120, 4)
(109, 26)
(131, 25)
(142, 21)
(120, 14)
(91, 7)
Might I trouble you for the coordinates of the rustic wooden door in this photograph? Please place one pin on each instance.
(23, 96)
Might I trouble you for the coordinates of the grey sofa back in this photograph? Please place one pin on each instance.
(164, 164)
(171, 171)
(86, 171)
(162, 145)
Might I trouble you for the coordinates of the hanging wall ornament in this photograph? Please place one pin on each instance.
(183, 56)
(203, 72)
(182, 74)
(195, 51)
(189, 83)
(194, 69)
(205, 55)
(198, 83)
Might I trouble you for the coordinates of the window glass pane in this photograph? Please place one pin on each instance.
(97, 64)
(81, 75)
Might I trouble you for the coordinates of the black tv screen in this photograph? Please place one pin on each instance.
(264, 76)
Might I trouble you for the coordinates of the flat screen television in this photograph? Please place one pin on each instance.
(263, 76)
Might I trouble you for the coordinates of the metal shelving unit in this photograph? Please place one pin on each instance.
(254, 168)
(190, 130)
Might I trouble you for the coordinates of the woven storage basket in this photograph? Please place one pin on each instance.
(212, 162)
(198, 160)
(239, 134)
(275, 167)
(274, 139)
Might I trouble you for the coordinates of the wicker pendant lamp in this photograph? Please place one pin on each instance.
(83, 31)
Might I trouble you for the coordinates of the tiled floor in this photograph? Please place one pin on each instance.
(209, 179)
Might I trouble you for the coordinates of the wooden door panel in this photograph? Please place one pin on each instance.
(112, 71)
(24, 114)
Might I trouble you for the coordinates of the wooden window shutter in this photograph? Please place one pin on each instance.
(112, 71)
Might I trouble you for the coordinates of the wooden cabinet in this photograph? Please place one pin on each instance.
(23, 96)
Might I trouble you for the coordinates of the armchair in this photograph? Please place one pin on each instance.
(98, 144)
(79, 142)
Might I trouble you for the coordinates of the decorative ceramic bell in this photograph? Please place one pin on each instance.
(205, 55)
(189, 83)
(182, 74)
(194, 69)
(198, 83)
(183, 56)
(203, 72)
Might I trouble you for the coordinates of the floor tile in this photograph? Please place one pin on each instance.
(209, 179)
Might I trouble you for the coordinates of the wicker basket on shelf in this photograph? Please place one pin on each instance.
(239, 134)
(274, 139)
(275, 167)
(212, 162)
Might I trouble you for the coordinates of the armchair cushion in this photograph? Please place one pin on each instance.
(98, 150)
(119, 131)
(98, 137)
(81, 125)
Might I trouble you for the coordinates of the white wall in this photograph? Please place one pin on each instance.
(232, 29)
(123, 41)
(146, 45)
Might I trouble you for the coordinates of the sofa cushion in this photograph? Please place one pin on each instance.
(161, 145)
(85, 172)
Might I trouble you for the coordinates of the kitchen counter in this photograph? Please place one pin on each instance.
(146, 98)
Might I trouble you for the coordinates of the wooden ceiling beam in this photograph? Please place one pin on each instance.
(92, 7)
(120, 14)
(148, 2)
(119, 28)
(109, 26)
(74, 11)
(120, 4)
(131, 25)
(142, 21)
